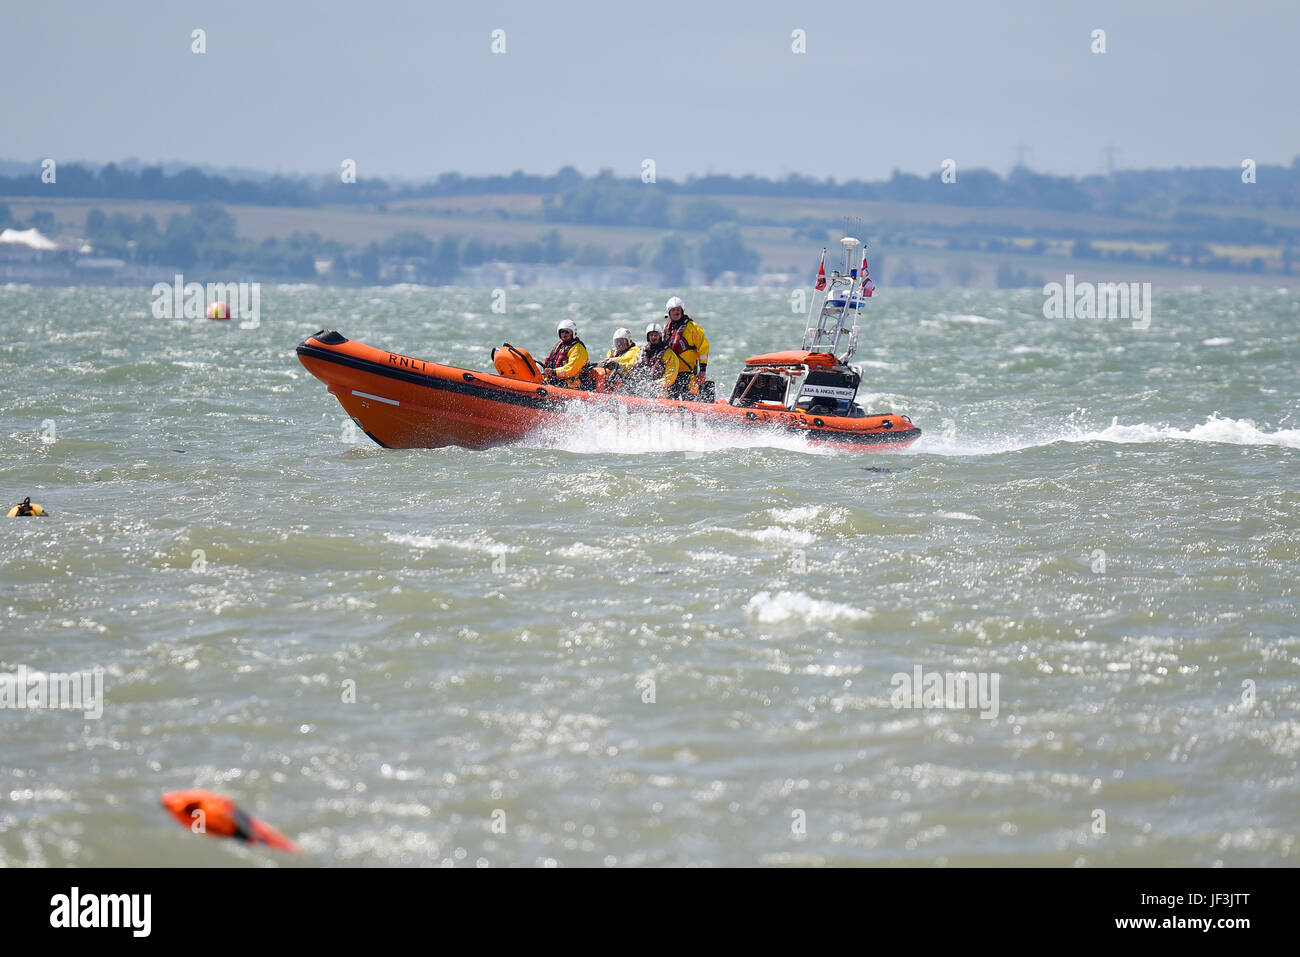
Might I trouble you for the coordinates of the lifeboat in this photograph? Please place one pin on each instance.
(403, 402)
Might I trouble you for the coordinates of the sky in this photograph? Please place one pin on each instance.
(412, 90)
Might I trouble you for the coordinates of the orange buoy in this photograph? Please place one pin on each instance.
(219, 310)
(217, 816)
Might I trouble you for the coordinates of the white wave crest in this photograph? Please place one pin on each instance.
(798, 514)
(1228, 431)
(1214, 429)
(787, 606)
(476, 543)
(970, 320)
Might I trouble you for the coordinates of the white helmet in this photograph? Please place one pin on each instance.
(567, 324)
(654, 327)
(675, 303)
(623, 334)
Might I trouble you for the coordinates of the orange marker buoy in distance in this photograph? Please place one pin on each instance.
(218, 310)
(217, 816)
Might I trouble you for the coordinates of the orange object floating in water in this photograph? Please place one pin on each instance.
(217, 816)
(218, 310)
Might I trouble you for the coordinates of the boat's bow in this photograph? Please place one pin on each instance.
(403, 402)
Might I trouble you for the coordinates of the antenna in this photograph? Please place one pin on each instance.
(1021, 150)
(849, 243)
(1109, 152)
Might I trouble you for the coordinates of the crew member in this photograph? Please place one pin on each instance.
(567, 361)
(619, 359)
(686, 338)
(657, 369)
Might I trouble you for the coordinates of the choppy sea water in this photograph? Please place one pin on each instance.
(610, 649)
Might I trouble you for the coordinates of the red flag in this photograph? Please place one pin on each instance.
(868, 287)
(821, 272)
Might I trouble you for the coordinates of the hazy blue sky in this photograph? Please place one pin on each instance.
(413, 89)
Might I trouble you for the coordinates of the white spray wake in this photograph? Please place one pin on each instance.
(635, 434)
(1215, 429)
(597, 431)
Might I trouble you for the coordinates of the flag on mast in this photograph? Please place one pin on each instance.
(821, 271)
(868, 287)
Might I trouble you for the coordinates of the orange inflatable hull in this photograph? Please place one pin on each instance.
(403, 403)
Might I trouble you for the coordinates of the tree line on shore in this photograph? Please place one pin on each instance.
(571, 196)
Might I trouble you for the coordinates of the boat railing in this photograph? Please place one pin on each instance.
(843, 300)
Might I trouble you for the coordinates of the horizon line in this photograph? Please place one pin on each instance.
(232, 171)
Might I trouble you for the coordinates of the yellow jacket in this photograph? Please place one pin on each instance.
(574, 363)
(697, 344)
(673, 367)
(626, 359)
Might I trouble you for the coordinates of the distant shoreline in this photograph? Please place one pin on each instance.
(1207, 228)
